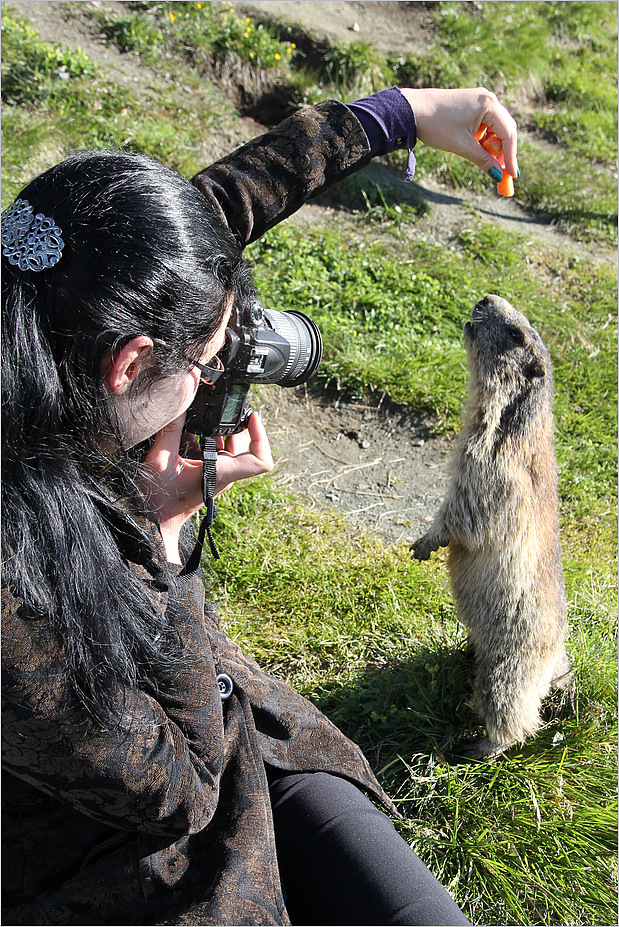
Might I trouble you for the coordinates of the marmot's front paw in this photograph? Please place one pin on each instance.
(422, 549)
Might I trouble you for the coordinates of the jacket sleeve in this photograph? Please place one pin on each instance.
(157, 771)
(271, 177)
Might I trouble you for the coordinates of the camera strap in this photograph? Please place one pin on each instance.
(209, 479)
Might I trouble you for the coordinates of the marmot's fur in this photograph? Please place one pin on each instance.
(499, 518)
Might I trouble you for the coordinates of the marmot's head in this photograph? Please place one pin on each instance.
(507, 358)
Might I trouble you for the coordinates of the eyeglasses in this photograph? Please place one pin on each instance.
(211, 372)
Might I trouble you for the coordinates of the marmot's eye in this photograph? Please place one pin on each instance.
(516, 335)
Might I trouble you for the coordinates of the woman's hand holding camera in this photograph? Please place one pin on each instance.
(172, 473)
(245, 454)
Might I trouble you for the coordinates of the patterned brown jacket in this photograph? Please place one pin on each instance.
(167, 819)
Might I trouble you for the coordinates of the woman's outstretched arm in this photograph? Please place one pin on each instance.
(269, 178)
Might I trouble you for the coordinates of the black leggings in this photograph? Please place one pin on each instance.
(341, 860)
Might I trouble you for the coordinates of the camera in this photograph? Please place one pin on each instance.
(279, 347)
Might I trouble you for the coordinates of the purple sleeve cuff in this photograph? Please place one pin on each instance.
(389, 123)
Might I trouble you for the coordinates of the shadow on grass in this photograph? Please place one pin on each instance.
(421, 708)
(415, 706)
(380, 187)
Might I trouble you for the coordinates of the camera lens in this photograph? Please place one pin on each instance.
(305, 342)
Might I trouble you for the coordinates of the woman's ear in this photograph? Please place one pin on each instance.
(121, 368)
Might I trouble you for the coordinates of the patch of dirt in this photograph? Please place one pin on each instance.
(377, 463)
(58, 22)
(387, 25)
(455, 209)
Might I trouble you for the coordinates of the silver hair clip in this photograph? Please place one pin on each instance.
(28, 241)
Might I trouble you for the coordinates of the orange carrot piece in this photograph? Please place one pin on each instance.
(505, 186)
(493, 144)
(483, 128)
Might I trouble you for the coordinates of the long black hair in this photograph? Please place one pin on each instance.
(143, 254)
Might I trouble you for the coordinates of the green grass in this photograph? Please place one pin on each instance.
(560, 60)
(563, 54)
(357, 69)
(194, 30)
(372, 638)
(54, 100)
(348, 619)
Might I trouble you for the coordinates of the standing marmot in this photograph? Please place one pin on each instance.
(499, 518)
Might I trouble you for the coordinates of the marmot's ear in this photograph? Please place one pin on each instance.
(536, 367)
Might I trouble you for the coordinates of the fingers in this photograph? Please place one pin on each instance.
(245, 454)
(173, 483)
(484, 159)
(501, 124)
(172, 470)
(450, 119)
(253, 440)
(494, 143)
(171, 475)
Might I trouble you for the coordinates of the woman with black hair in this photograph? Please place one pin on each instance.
(153, 773)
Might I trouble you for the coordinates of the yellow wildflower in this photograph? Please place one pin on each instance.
(277, 56)
(172, 16)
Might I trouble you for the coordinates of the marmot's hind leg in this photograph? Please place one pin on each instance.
(508, 703)
(476, 749)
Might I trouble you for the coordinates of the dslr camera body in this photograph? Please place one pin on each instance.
(279, 347)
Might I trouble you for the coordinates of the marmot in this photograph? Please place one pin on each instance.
(500, 520)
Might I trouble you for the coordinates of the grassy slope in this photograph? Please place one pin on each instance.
(347, 619)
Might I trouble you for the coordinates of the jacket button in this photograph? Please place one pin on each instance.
(225, 686)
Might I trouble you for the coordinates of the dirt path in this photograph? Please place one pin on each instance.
(388, 26)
